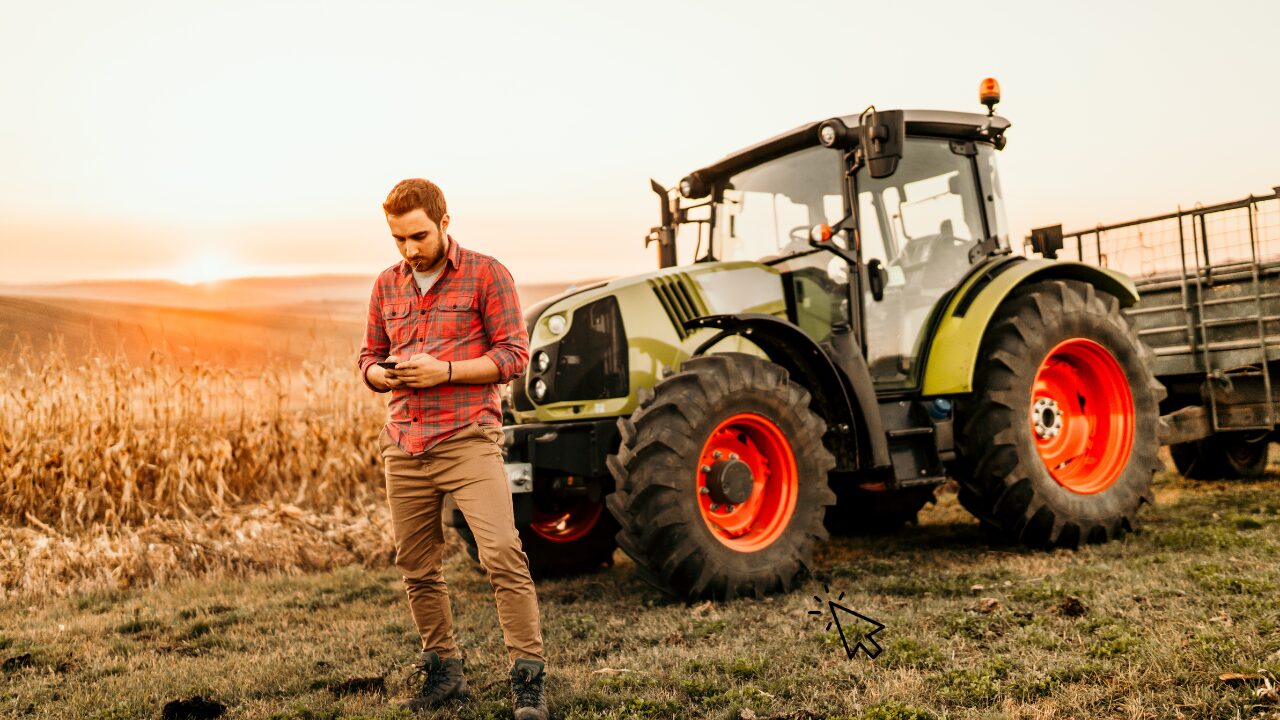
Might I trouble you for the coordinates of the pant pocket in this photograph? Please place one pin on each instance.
(494, 433)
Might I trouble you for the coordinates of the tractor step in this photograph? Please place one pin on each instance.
(908, 432)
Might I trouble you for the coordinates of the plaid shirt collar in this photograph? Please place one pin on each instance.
(453, 257)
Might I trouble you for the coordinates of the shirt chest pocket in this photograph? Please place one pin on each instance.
(398, 319)
(455, 316)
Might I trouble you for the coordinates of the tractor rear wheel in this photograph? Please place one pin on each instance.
(1225, 456)
(1058, 440)
(722, 480)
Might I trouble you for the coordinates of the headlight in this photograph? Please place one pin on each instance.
(539, 389)
(833, 133)
(542, 361)
(556, 324)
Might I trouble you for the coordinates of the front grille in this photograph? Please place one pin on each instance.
(591, 360)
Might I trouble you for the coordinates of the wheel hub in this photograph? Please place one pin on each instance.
(1082, 415)
(729, 481)
(1047, 416)
(746, 481)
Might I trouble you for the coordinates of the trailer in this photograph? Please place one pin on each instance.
(1208, 280)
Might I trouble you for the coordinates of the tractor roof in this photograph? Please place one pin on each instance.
(936, 123)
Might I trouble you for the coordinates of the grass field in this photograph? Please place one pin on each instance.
(1139, 628)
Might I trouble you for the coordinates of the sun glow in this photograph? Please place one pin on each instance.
(206, 267)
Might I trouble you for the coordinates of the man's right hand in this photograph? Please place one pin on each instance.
(382, 378)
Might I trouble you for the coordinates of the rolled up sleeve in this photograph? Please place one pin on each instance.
(504, 324)
(376, 343)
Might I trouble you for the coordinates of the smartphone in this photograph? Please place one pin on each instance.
(388, 365)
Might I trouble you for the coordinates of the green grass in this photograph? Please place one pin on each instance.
(1191, 595)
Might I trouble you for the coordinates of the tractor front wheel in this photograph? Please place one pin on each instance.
(1058, 441)
(722, 480)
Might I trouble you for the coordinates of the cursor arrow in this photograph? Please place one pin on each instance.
(866, 643)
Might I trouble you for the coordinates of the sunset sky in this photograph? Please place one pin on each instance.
(198, 140)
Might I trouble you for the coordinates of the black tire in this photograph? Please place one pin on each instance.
(1003, 480)
(1225, 456)
(555, 559)
(657, 466)
(875, 512)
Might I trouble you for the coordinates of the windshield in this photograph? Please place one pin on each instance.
(767, 211)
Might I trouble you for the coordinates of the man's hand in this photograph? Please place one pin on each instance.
(384, 378)
(422, 371)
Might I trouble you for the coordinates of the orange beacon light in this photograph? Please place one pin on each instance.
(989, 94)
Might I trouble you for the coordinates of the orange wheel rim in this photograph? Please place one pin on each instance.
(747, 482)
(1082, 416)
(566, 525)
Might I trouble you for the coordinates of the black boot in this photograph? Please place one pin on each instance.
(441, 680)
(526, 689)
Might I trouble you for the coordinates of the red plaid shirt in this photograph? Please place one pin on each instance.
(472, 310)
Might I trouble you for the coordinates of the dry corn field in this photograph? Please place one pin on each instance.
(119, 474)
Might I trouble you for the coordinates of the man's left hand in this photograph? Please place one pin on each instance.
(422, 370)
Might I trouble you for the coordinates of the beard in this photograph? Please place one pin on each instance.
(426, 261)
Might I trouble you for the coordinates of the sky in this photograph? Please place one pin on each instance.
(199, 140)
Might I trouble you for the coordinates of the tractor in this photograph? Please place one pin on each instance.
(851, 330)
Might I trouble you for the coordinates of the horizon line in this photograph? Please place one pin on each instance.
(162, 279)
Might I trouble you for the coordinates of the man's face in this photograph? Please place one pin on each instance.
(421, 242)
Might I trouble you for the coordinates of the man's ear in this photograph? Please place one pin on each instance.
(444, 225)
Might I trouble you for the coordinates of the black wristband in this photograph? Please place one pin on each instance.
(450, 371)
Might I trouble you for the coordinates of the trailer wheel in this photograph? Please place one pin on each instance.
(568, 541)
(1224, 456)
(862, 511)
(1058, 440)
(722, 480)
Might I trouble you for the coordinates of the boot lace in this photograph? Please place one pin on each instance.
(431, 679)
(528, 691)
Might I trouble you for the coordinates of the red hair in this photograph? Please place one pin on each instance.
(414, 193)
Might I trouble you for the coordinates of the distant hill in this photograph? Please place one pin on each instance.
(234, 338)
(234, 322)
(295, 292)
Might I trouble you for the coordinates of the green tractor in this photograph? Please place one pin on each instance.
(852, 329)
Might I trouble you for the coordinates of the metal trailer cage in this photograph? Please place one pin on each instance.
(1209, 282)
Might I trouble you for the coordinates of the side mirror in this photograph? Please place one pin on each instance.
(877, 278)
(1047, 241)
(880, 139)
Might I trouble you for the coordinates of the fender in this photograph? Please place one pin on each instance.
(836, 388)
(953, 349)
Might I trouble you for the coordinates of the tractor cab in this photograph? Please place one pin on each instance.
(872, 219)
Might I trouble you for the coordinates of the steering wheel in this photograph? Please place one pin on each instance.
(923, 250)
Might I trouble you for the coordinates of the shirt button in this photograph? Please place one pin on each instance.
(422, 312)
(415, 418)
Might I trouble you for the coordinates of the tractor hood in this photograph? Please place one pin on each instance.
(684, 293)
(590, 347)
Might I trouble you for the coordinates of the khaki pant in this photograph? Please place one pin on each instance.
(468, 465)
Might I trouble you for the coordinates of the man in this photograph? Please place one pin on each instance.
(450, 320)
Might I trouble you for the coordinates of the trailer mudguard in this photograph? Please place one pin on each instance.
(842, 399)
(953, 349)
